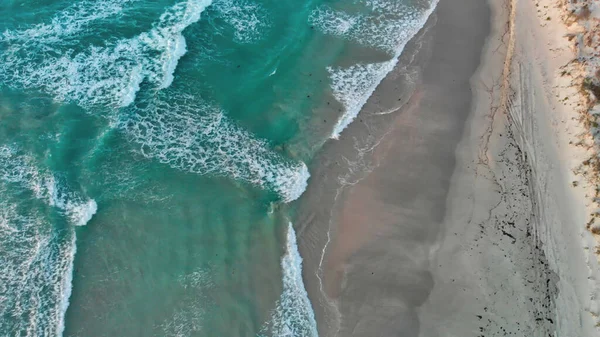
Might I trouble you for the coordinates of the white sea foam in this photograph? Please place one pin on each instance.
(18, 168)
(353, 86)
(389, 26)
(248, 19)
(188, 314)
(36, 266)
(293, 315)
(35, 271)
(334, 22)
(105, 75)
(36, 260)
(67, 23)
(81, 213)
(383, 24)
(66, 285)
(194, 137)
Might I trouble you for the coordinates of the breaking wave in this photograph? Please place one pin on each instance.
(293, 315)
(382, 24)
(388, 25)
(20, 169)
(190, 138)
(36, 257)
(66, 24)
(196, 137)
(102, 75)
(249, 20)
(353, 86)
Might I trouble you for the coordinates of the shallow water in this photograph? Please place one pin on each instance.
(149, 153)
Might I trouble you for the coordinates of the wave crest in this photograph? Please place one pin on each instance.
(388, 25)
(198, 138)
(66, 24)
(105, 75)
(20, 169)
(382, 24)
(293, 315)
(353, 86)
(36, 258)
(35, 271)
(248, 19)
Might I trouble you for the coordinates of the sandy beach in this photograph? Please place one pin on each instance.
(449, 208)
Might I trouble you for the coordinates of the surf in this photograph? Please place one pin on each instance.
(37, 260)
(108, 75)
(387, 26)
(67, 24)
(193, 136)
(293, 315)
(248, 19)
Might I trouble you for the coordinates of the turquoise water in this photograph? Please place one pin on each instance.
(151, 153)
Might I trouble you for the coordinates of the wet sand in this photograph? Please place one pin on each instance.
(446, 208)
(379, 194)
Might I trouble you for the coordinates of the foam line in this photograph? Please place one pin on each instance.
(36, 261)
(67, 23)
(192, 136)
(108, 75)
(293, 315)
(248, 19)
(20, 169)
(353, 86)
(389, 26)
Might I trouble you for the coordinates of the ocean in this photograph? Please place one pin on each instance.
(152, 152)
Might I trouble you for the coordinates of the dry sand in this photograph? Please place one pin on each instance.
(447, 208)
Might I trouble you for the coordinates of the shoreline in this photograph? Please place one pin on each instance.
(502, 247)
(349, 169)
